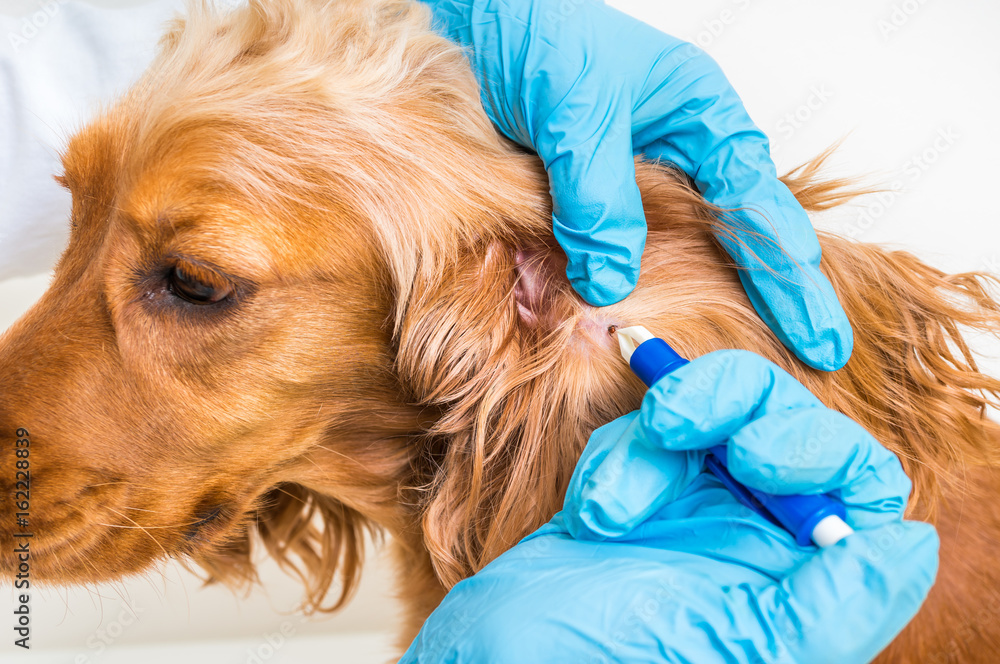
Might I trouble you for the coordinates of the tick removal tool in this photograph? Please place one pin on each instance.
(816, 518)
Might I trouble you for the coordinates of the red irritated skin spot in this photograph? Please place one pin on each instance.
(545, 299)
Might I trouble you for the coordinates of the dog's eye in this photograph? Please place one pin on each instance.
(198, 286)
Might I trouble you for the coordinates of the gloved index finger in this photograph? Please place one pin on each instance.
(597, 215)
(705, 402)
(780, 439)
(640, 462)
(580, 112)
(706, 132)
(810, 451)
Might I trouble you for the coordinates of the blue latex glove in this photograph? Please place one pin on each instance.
(653, 560)
(587, 87)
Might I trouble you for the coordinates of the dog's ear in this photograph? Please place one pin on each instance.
(485, 472)
(514, 410)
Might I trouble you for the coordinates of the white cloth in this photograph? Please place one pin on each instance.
(58, 66)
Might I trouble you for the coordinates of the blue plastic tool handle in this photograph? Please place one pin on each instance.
(652, 360)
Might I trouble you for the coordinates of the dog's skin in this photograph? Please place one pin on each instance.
(381, 332)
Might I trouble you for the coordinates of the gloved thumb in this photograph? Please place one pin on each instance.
(597, 217)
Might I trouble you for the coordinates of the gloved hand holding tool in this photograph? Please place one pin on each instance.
(652, 559)
(587, 87)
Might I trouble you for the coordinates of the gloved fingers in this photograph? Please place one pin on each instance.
(637, 464)
(817, 450)
(554, 81)
(597, 218)
(708, 400)
(846, 603)
(620, 481)
(798, 303)
(707, 133)
(781, 439)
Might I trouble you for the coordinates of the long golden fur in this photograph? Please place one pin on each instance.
(401, 352)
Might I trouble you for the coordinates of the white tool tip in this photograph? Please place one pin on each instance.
(629, 339)
(830, 530)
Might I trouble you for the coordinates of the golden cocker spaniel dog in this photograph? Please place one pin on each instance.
(311, 292)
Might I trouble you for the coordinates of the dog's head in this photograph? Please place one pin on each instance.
(293, 250)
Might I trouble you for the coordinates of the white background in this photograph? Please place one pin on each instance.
(895, 78)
